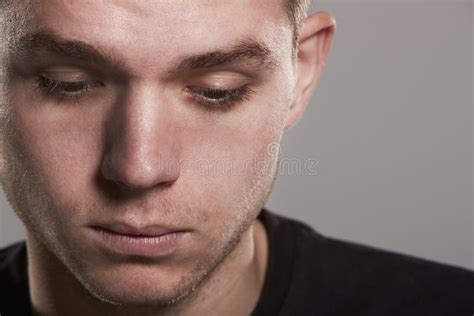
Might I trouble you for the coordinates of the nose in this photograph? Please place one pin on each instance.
(141, 151)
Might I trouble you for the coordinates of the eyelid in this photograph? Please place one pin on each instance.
(66, 74)
(223, 80)
(220, 100)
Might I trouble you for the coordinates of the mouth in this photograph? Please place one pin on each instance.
(152, 241)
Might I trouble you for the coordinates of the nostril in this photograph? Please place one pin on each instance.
(117, 188)
(132, 173)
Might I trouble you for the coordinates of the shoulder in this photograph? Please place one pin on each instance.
(14, 280)
(335, 277)
(11, 257)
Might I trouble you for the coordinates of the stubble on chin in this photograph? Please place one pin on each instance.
(225, 247)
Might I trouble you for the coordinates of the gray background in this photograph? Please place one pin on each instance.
(390, 126)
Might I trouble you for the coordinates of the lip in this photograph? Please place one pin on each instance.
(126, 229)
(152, 241)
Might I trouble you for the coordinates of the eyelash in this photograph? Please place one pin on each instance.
(220, 99)
(64, 90)
(212, 99)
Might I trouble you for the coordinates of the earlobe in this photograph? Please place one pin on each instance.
(313, 48)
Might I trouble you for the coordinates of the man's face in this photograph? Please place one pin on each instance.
(150, 129)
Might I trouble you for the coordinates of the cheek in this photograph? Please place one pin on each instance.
(61, 152)
(226, 159)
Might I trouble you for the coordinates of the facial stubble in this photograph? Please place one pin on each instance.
(243, 216)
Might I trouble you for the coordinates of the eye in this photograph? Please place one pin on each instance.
(219, 99)
(65, 89)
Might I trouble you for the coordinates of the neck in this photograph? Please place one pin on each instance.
(233, 288)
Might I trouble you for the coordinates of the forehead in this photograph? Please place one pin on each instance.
(147, 29)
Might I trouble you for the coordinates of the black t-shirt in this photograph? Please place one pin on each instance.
(310, 274)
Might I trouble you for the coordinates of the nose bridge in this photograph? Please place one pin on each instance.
(140, 153)
(137, 121)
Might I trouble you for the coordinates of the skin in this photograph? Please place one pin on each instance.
(127, 150)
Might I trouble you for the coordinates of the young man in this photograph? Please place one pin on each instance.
(135, 148)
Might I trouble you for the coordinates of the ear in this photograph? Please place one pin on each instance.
(313, 49)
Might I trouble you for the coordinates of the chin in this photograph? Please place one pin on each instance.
(138, 286)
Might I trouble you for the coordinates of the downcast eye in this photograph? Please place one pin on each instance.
(65, 89)
(219, 99)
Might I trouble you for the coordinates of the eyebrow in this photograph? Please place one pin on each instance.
(47, 42)
(244, 51)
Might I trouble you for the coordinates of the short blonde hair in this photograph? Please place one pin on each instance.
(296, 11)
